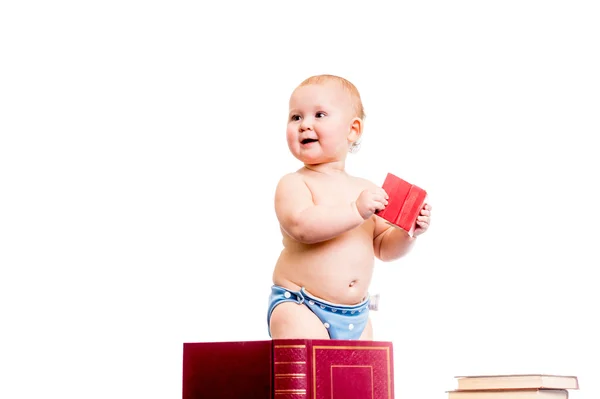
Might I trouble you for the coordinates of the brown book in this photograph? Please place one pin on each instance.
(517, 381)
(510, 394)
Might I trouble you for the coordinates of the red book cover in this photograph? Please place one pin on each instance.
(397, 190)
(411, 209)
(404, 204)
(289, 369)
(227, 370)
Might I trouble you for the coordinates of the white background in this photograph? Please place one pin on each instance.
(141, 143)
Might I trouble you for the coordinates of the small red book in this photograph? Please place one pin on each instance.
(404, 204)
(288, 369)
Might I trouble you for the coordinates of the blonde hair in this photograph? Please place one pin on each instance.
(357, 104)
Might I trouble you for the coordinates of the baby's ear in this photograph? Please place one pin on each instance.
(356, 128)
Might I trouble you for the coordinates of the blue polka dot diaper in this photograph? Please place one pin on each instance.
(341, 321)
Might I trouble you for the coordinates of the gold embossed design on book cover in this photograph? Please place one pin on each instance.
(290, 375)
(370, 369)
(377, 352)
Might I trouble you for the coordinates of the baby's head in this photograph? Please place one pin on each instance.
(328, 104)
(354, 96)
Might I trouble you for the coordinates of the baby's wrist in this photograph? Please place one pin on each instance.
(354, 207)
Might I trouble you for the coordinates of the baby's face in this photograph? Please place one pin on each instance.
(319, 123)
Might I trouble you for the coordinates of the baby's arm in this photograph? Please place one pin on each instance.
(391, 243)
(308, 223)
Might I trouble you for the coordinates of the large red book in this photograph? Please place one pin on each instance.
(404, 204)
(288, 369)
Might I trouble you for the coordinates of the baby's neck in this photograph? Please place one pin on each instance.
(328, 168)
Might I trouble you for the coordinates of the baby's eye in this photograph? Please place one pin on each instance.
(295, 118)
(320, 114)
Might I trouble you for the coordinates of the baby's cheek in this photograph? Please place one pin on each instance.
(291, 140)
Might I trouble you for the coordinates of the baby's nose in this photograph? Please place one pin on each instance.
(306, 124)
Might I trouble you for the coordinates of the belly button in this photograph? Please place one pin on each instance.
(352, 283)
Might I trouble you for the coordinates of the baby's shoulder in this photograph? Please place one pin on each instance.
(291, 177)
(290, 181)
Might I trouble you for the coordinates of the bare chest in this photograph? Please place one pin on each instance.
(332, 191)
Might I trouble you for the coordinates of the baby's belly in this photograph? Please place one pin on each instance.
(337, 271)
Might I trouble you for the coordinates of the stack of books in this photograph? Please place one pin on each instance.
(514, 386)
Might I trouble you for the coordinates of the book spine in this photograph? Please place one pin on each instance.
(411, 209)
(290, 371)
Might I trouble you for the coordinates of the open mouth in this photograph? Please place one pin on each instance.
(307, 141)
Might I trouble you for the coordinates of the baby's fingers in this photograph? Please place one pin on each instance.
(426, 210)
(379, 205)
(379, 197)
(423, 221)
(382, 192)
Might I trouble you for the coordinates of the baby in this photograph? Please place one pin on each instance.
(327, 217)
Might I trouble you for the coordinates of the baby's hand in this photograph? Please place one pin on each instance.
(423, 220)
(370, 201)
